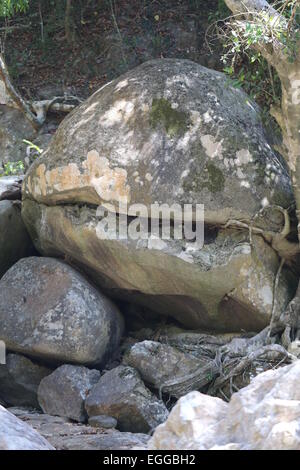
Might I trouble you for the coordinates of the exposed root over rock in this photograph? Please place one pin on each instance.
(263, 358)
(232, 360)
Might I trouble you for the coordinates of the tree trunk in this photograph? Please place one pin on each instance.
(290, 108)
(288, 115)
(68, 26)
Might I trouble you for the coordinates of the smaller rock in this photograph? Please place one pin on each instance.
(20, 379)
(64, 391)
(169, 370)
(16, 435)
(122, 394)
(102, 421)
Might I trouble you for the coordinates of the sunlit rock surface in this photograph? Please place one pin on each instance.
(16, 435)
(48, 310)
(169, 131)
(263, 416)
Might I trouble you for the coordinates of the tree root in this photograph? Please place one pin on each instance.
(286, 249)
(232, 360)
(273, 355)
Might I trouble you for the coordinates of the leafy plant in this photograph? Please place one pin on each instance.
(12, 168)
(245, 65)
(10, 7)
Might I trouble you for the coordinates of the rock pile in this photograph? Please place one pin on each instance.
(167, 132)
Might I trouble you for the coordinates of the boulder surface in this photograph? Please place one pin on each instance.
(16, 435)
(48, 310)
(262, 416)
(64, 391)
(168, 132)
(20, 379)
(121, 393)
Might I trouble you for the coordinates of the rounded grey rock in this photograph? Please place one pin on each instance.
(48, 310)
(103, 421)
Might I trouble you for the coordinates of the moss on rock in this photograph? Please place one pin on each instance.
(216, 179)
(173, 121)
(211, 178)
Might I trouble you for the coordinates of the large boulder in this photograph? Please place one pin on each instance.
(121, 393)
(16, 435)
(15, 242)
(226, 286)
(63, 393)
(48, 310)
(20, 379)
(263, 416)
(169, 131)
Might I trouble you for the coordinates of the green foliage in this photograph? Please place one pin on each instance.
(175, 122)
(245, 65)
(256, 77)
(221, 12)
(32, 146)
(10, 7)
(12, 168)
(17, 168)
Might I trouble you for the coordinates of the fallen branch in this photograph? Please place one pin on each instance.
(36, 113)
(57, 104)
(195, 381)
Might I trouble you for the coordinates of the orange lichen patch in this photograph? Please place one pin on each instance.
(95, 175)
